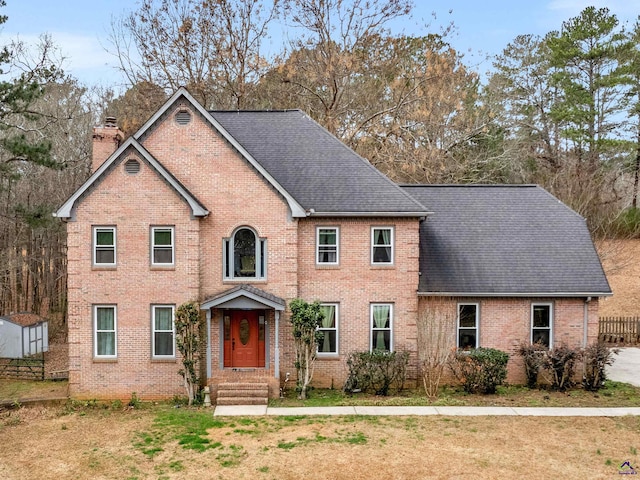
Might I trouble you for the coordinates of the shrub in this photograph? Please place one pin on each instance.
(533, 355)
(559, 364)
(305, 320)
(596, 357)
(376, 371)
(480, 370)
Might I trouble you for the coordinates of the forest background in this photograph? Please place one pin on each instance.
(561, 110)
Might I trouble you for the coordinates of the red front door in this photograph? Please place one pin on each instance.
(243, 343)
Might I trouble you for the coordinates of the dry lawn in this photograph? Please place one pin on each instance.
(107, 444)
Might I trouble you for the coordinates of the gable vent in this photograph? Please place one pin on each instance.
(183, 117)
(132, 166)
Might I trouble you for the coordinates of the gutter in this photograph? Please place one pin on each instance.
(516, 294)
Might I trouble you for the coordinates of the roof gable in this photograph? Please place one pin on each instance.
(67, 210)
(512, 240)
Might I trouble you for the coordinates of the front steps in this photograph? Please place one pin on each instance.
(237, 393)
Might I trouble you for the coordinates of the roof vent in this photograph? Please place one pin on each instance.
(110, 122)
(183, 117)
(132, 166)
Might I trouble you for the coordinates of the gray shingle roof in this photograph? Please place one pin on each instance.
(504, 240)
(316, 168)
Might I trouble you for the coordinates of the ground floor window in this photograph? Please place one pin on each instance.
(468, 316)
(541, 324)
(163, 331)
(105, 331)
(381, 326)
(329, 329)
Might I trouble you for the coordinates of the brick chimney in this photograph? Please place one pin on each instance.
(106, 140)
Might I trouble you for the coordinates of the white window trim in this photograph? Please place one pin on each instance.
(327, 227)
(477, 327)
(173, 245)
(337, 330)
(371, 325)
(551, 314)
(96, 229)
(261, 249)
(153, 330)
(95, 331)
(382, 227)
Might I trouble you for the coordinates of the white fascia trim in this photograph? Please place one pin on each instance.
(525, 294)
(66, 210)
(296, 209)
(313, 213)
(241, 293)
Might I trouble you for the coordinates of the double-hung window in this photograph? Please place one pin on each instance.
(328, 329)
(381, 327)
(382, 245)
(163, 331)
(327, 245)
(245, 255)
(104, 246)
(542, 324)
(105, 338)
(162, 245)
(468, 315)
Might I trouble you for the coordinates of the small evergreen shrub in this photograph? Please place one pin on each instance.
(533, 356)
(559, 364)
(596, 357)
(480, 370)
(376, 371)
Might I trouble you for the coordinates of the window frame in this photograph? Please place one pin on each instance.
(318, 245)
(391, 245)
(373, 329)
(113, 247)
(153, 230)
(549, 328)
(96, 332)
(476, 328)
(154, 331)
(228, 257)
(335, 329)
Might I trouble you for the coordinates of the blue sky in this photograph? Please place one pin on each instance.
(81, 27)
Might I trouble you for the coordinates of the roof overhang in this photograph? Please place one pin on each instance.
(244, 297)
(517, 294)
(312, 213)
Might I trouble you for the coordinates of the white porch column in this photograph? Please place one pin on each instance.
(208, 343)
(276, 364)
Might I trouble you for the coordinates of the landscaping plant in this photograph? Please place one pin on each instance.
(306, 318)
(436, 342)
(480, 370)
(596, 357)
(559, 366)
(376, 371)
(188, 327)
(533, 356)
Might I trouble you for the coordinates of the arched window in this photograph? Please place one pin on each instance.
(244, 255)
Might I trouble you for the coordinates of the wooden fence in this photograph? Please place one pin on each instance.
(619, 330)
(30, 368)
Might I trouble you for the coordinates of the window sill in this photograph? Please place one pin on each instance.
(104, 267)
(327, 266)
(163, 360)
(104, 360)
(383, 266)
(162, 268)
(241, 280)
(328, 356)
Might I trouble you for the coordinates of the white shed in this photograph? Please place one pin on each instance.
(23, 335)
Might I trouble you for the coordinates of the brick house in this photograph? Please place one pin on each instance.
(244, 211)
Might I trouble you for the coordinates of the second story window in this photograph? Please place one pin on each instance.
(245, 255)
(162, 245)
(104, 246)
(382, 245)
(327, 245)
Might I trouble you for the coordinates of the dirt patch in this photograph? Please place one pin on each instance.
(49, 443)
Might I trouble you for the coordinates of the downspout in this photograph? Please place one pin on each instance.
(208, 343)
(276, 363)
(586, 322)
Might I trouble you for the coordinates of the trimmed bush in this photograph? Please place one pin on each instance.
(533, 356)
(376, 371)
(596, 357)
(480, 370)
(559, 364)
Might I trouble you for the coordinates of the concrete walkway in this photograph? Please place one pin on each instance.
(261, 410)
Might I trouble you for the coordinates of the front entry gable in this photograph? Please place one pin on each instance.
(130, 146)
(244, 297)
